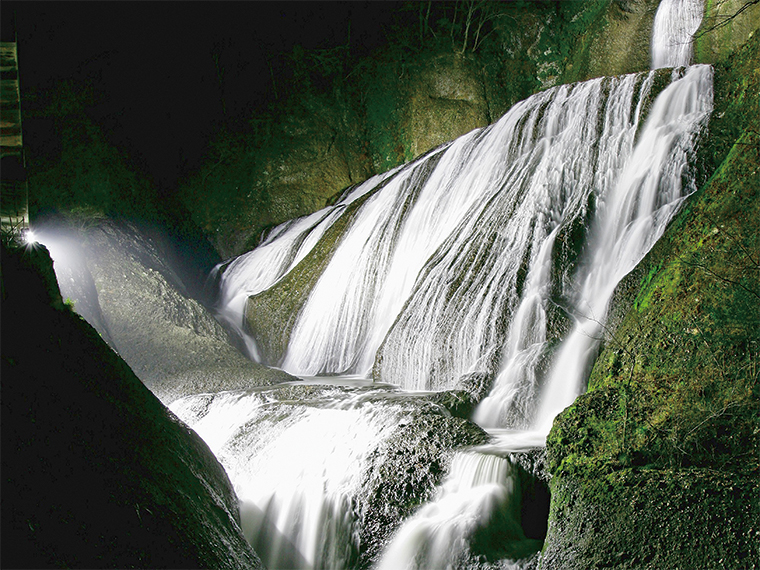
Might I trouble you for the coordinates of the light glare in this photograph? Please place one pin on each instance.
(30, 238)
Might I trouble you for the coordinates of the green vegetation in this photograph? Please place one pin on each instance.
(678, 382)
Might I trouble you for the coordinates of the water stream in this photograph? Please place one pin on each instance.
(497, 253)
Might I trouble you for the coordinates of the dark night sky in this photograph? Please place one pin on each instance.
(156, 92)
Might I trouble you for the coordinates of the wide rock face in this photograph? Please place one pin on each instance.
(653, 520)
(96, 472)
(727, 25)
(122, 279)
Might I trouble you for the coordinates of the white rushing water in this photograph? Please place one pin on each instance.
(283, 249)
(479, 488)
(296, 467)
(642, 188)
(450, 264)
(675, 24)
(497, 253)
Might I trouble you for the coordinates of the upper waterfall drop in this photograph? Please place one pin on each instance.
(675, 24)
(459, 261)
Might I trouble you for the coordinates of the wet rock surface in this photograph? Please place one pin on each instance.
(466, 395)
(96, 472)
(122, 279)
(404, 471)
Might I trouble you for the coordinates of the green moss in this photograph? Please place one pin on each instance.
(726, 25)
(652, 519)
(677, 382)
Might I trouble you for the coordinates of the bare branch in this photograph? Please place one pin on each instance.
(724, 20)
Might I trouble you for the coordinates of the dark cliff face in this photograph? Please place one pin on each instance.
(342, 119)
(96, 472)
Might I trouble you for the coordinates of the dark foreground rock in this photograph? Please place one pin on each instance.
(96, 472)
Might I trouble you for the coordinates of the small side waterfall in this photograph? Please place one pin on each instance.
(478, 490)
(675, 24)
(632, 211)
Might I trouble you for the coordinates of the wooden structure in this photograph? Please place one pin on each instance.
(14, 195)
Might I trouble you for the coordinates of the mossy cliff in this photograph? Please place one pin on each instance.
(657, 465)
(727, 24)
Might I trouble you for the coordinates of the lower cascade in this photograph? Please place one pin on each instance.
(493, 257)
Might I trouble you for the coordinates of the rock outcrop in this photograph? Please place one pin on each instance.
(121, 277)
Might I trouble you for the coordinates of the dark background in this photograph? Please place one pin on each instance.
(162, 78)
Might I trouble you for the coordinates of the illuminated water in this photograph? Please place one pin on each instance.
(497, 253)
(454, 265)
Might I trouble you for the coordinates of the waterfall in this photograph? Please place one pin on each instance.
(675, 24)
(498, 253)
(479, 489)
(642, 187)
(285, 246)
(449, 265)
(562, 150)
(296, 467)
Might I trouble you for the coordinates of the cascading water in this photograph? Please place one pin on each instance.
(675, 24)
(639, 193)
(295, 466)
(279, 253)
(496, 253)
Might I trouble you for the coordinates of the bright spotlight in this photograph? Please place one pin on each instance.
(29, 237)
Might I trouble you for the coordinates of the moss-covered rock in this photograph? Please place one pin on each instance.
(653, 519)
(403, 472)
(617, 42)
(726, 26)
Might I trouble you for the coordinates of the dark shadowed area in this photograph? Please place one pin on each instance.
(161, 78)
